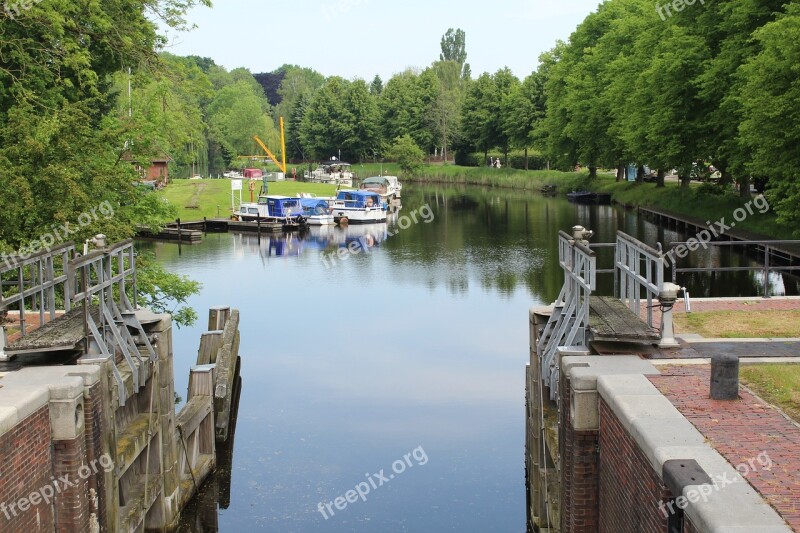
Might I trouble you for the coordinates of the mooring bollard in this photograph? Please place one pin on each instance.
(724, 377)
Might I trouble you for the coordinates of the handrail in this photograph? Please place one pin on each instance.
(765, 267)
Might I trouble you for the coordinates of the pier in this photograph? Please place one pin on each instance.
(87, 394)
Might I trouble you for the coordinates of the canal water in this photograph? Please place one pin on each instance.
(392, 378)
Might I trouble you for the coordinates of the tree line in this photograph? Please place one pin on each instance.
(712, 84)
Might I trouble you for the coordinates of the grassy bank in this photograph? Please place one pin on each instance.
(777, 384)
(697, 201)
(532, 180)
(196, 199)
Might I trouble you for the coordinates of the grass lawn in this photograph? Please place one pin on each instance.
(196, 199)
(778, 384)
(740, 324)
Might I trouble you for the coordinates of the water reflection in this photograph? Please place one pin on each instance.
(418, 340)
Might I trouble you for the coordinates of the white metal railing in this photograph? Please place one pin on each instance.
(640, 274)
(570, 319)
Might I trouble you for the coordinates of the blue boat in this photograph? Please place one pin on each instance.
(317, 211)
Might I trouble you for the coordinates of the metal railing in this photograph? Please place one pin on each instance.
(36, 283)
(640, 274)
(570, 319)
(766, 267)
(101, 280)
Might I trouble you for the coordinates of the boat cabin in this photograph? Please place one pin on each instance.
(361, 199)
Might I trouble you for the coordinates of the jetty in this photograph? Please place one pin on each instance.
(87, 394)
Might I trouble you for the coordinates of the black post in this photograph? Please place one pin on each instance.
(258, 218)
(180, 239)
(724, 377)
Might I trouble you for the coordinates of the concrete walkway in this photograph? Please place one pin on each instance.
(754, 437)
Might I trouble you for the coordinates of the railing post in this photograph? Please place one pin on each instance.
(766, 270)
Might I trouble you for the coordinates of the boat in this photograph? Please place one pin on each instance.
(548, 190)
(389, 187)
(358, 207)
(273, 208)
(317, 211)
(588, 197)
(333, 171)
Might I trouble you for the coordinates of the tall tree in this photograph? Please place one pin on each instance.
(771, 105)
(454, 48)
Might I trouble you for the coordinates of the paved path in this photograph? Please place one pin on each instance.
(742, 431)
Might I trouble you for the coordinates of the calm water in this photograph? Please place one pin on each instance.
(417, 347)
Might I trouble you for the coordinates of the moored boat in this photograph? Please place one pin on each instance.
(332, 171)
(389, 187)
(359, 207)
(587, 197)
(273, 208)
(317, 211)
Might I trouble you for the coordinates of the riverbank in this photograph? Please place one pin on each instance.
(699, 200)
(211, 198)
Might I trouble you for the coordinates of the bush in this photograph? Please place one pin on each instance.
(407, 154)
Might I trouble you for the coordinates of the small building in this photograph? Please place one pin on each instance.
(156, 171)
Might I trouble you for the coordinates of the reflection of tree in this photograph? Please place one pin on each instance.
(505, 239)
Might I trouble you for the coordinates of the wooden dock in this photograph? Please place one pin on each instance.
(611, 320)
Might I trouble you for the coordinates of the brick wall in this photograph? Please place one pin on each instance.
(579, 467)
(26, 466)
(71, 503)
(630, 491)
(95, 429)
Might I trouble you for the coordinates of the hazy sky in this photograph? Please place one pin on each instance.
(361, 38)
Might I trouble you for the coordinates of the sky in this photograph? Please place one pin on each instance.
(362, 38)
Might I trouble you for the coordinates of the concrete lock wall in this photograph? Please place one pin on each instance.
(73, 457)
(616, 432)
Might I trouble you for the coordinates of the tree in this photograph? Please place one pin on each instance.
(376, 87)
(771, 104)
(407, 154)
(407, 107)
(523, 109)
(454, 48)
(482, 114)
(61, 141)
(236, 115)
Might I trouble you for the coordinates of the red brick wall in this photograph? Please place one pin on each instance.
(26, 467)
(579, 472)
(95, 429)
(630, 491)
(72, 502)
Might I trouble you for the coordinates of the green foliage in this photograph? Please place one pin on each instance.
(771, 101)
(62, 135)
(407, 154)
(164, 291)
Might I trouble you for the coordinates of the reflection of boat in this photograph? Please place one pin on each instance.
(587, 197)
(387, 186)
(331, 171)
(317, 211)
(359, 207)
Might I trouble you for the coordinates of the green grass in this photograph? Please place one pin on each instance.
(740, 324)
(694, 202)
(209, 195)
(480, 176)
(779, 384)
